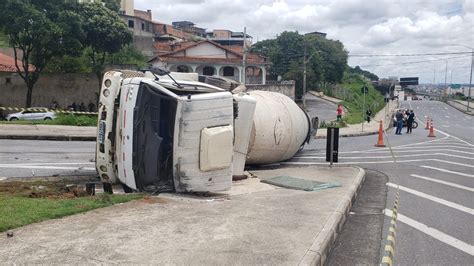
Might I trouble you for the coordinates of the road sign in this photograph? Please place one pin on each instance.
(455, 86)
(409, 81)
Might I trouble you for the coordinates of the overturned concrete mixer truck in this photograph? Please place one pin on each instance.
(160, 131)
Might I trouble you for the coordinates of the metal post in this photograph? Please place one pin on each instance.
(331, 149)
(244, 57)
(470, 81)
(304, 77)
(363, 111)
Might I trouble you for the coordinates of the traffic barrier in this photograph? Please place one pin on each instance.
(427, 123)
(46, 110)
(431, 134)
(380, 140)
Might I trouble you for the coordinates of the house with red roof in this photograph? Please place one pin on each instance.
(210, 58)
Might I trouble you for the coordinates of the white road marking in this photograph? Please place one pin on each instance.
(455, 163)
(434, 233)
(446, 171)
(445, 125)
(443, 182)
(434, 199)
(14, 166)
(398, 151)
(303, 156)
(446, 116)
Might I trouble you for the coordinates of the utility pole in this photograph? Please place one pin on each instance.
(304, 76)
(470, 80)
(244, 58)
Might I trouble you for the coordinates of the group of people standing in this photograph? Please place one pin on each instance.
(404, 115)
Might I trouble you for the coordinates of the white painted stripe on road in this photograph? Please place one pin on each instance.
(443, 182)
(398, 151)
(445, 146)
(434, 199)
(14, 166)
(446, 171)
(455, 163)
(303, 156)
(434, 233)
(445, 125)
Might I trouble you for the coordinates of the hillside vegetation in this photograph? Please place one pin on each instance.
(353, 99)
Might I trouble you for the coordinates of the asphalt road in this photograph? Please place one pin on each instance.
(434, 177)
(324, 110)
(26, 158)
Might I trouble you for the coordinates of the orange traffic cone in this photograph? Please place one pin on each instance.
(380, 140)
(431, 134)
(427, 123)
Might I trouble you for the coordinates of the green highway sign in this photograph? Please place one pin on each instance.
(455, 86)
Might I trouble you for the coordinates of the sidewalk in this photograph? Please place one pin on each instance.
(462, 106)
(47, 132)
(254, 223)
(365, 128)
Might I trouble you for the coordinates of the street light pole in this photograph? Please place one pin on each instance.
(304, 76)
(470, 80)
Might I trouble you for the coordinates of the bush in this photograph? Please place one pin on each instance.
(74, 120)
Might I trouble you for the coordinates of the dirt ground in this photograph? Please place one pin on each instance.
(43, 189)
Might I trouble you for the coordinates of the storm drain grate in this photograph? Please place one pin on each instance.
(299, 183)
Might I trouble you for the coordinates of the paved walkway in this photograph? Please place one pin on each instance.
(462, 106)
(47, 132)
(253, 224)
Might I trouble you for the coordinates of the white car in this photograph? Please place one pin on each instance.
(36, 113)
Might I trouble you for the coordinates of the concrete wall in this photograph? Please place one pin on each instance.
(285, 87)
(62, 88)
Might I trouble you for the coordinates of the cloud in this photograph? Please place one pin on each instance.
(364, 27)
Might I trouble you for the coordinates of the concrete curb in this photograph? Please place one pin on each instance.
(50, 137)
(325, 98)
(459, 109)
(319, 250)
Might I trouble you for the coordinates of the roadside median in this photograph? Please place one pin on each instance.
(253, 223)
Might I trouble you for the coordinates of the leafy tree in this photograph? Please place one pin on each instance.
(365, 73)
(105, 33)
(37, 31)
(113, 5)
(326, 59)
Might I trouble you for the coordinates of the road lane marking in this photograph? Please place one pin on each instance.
(433, 198)
(443, 182)
(445, 125)
(455, 163)
(446, 171)
(14, 166)
(446, 116)
(399, 151)
(434, 233)
(305, 156)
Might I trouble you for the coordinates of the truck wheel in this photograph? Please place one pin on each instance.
(107, 188)
(126, 189)
(13, 119)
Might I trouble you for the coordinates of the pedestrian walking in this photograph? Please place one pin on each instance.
(410, 119)
(339, 112)
(399, 118)
(368, 114)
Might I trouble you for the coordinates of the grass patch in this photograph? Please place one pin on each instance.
(61, 119)
(23, 203)
(353, 98)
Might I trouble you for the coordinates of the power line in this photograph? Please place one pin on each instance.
(397, 55)
(415, 62)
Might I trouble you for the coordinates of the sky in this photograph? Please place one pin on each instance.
(365, 27)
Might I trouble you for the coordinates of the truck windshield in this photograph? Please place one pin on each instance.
(153, 130)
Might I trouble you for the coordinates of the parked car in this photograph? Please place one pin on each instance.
(32, 114)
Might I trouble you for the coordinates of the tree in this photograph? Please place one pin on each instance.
(326, 59)
(365, 73)
(105, 33)
(37, 31)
